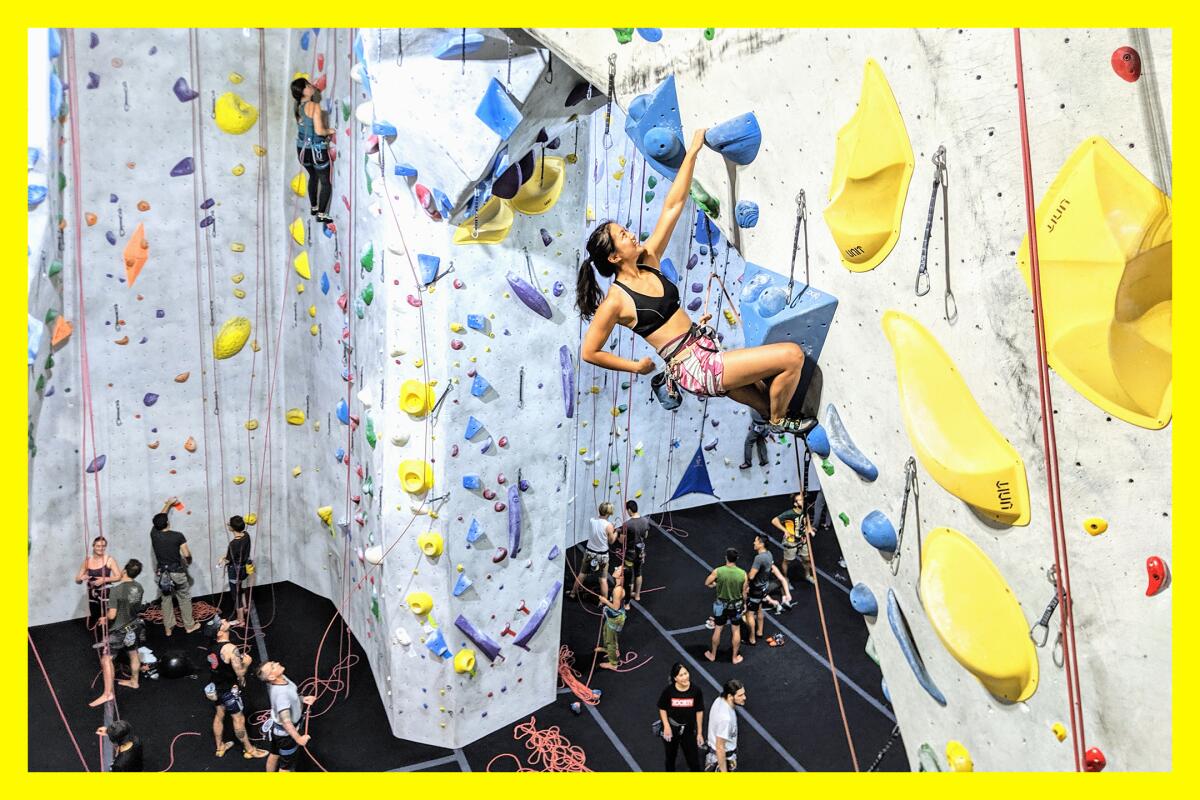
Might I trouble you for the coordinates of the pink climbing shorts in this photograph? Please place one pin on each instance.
(696, 364)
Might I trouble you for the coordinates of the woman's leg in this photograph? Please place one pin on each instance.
(687, 741)
(780, 364)
(313, 181)
(326, 189)
(672, 748)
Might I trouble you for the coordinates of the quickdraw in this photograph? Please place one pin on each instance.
(612, 89)
(801, 222)
(911, 487)
(940, 179)
(1040, 632)
(463, 54)
(399, 46)
(508, 78)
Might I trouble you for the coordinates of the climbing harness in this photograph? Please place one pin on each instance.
(911, 487)
(612, 89)
(801, 222)
(940, 179)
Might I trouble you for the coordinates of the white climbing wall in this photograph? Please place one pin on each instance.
(955, 87)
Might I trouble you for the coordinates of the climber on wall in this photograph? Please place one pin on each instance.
(763, 378)
(312, 147)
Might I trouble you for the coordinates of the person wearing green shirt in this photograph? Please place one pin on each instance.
(795, 545)
(732, 586)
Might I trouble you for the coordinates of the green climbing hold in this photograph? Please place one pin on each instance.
(51, 315)
(707, 203)
(359, 310)
(652, 181)
(41, 383)
(709, 33)
(827, 465)
(927, 759)
(368, 293)
(49, 362)
(615, 467)
(624, 35)
(649, 197)
(622, 408)
(845, 519)
(370, 428)
(62, 181)
(643, 236)
(375, 607)
(368, 258)
(55, 268)
(345, 111)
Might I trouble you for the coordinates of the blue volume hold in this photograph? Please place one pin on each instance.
(879, 532)
(474, 426)
(818, 440)
(472, 482)
(475, 531)
(863, 600)
(909, 648)
(479, 386)
(845, 449)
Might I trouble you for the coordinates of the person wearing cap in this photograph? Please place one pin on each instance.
(227, 675)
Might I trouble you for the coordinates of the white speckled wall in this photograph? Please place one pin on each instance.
(955, 87)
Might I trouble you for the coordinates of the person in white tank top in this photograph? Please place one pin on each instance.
(595, 556)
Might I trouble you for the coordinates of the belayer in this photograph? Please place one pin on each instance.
(763, 378)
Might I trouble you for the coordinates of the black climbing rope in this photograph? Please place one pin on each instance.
(399, 46)
(940, 180)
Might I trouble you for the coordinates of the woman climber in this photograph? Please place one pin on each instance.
(763, 378)
(312, 147)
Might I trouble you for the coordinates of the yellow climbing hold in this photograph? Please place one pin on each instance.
(955, 441)
(239, 169)
(297, 230)
(238, 480)
(1059, 730)
(251, 424)
(326, 514)
(235, 78)
(618, 175)
(296, 472)
(873, 163)
(231, 337)
(416, 476)
(314, 329)
(251, 519)
(419, 603)
(583, 451)
(431, 544)
(300, 184)
(958, 757)
(260, 151)
(1095, 526)
(539, 194)
(420, 362)
(237, 247)
(312, 311)
(464, 662)
(416, 398)
(235, 115)
(240, 294)
(299, 288)
(590, 215)
(254, 346)
(976, 615)
(490, 226)
(1104, 249)
(238, 278)
(300, 262)
(295, 416)
(456, 327)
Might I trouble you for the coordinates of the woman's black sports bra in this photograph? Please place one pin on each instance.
(653, 312)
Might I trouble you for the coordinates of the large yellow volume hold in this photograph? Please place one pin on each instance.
(1104, 235)
(297, 230)
(416, 398)
(300, 184)
(539, 194)
(495, 220)
(976, 615)
(873, 163)
(231, 337)
(955, 441)
(235, 115)
(301, 265)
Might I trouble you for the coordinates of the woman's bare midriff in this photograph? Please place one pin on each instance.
(679, 324)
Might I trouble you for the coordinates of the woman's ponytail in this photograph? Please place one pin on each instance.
(588, 294)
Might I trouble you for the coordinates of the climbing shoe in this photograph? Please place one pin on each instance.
(796, 427)
(325, 219)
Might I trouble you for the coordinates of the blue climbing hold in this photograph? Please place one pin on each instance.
(437, 644)
(473, 483)
(818, 441)
(37, 194)
(55, 43)
(384, 129)
(706, 231)
(477, 322)
(863, 600)
(754, 287)
(443, 202)
(324, 283)
(746, 213)
(771, 301)
(305, 38)
(667, 268)
(909, 648)
(461, 585)
(883, 688)
(56, 95)
(474, 426)
(479, 386)
(498, 111)
(429, 267)
(343, 412)
(695, 478)
(650, 34)
(456, 46)
(654, 126)
(405, 170)
(553, 554)
(663, 146)
(844, 447)
(737, 139)
(475, 530)
(878, 530)
(339, 454)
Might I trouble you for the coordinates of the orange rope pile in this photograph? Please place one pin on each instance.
(549, 748)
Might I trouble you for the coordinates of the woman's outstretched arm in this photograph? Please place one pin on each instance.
(675, 200)
(598, 331)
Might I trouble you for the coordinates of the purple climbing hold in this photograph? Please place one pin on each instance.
(712, 445)
(183, 91)
(514, 521)
(153, 50)
(112, 198)
(694, 304)
(529, 295)
(93, 41)
(184, 167)
(204, 223)
(97, 464)
(567, 369)
(553, 554)
(207, 204)
(547, 239)
(150, 399)
(93, 81)
(538, 616)
(697, 286)
(111, 237)
(558, 288)
(481, 640)
(523, 485)
(693, 260)
(486, 447)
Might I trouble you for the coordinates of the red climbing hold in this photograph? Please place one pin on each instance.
(1094, 760)
(1156, 575)
(320, 62)
(1127, 63)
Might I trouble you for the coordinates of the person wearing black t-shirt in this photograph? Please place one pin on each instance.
(172, 556)
(238, 567)
(633, 541)
(681, 712)
(227, 674)
(127, 748)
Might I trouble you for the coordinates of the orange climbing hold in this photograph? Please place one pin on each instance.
(62, 329)
(190, 445)
(143, 205)
(182, 377)
(90, 218)
(123, 340)
(137, 251)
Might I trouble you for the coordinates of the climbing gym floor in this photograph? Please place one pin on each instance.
(790, 721)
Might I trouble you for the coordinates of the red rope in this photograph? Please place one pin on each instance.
(54, 696)
(1049, 440)
(548, 747)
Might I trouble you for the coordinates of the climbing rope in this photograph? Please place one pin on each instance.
(1050, 444)
(547, 747)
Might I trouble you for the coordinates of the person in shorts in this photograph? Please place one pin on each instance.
(227, 675)
(732, 588)
(795, 545)
(765, 578)
(126, 630)
(286, 709)
(601, 536)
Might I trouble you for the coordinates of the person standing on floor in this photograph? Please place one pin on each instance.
(614, 619)
(601, 536)
(127, 747)
(761, 586)
(126, 631)
(227, 676)
(633, 537)
(756, 437)
(795, 545)
(238, 567)
(732, 589)
(286, 710)
(681, 713)
(172, 556)
(99, 570)
(723, 728)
